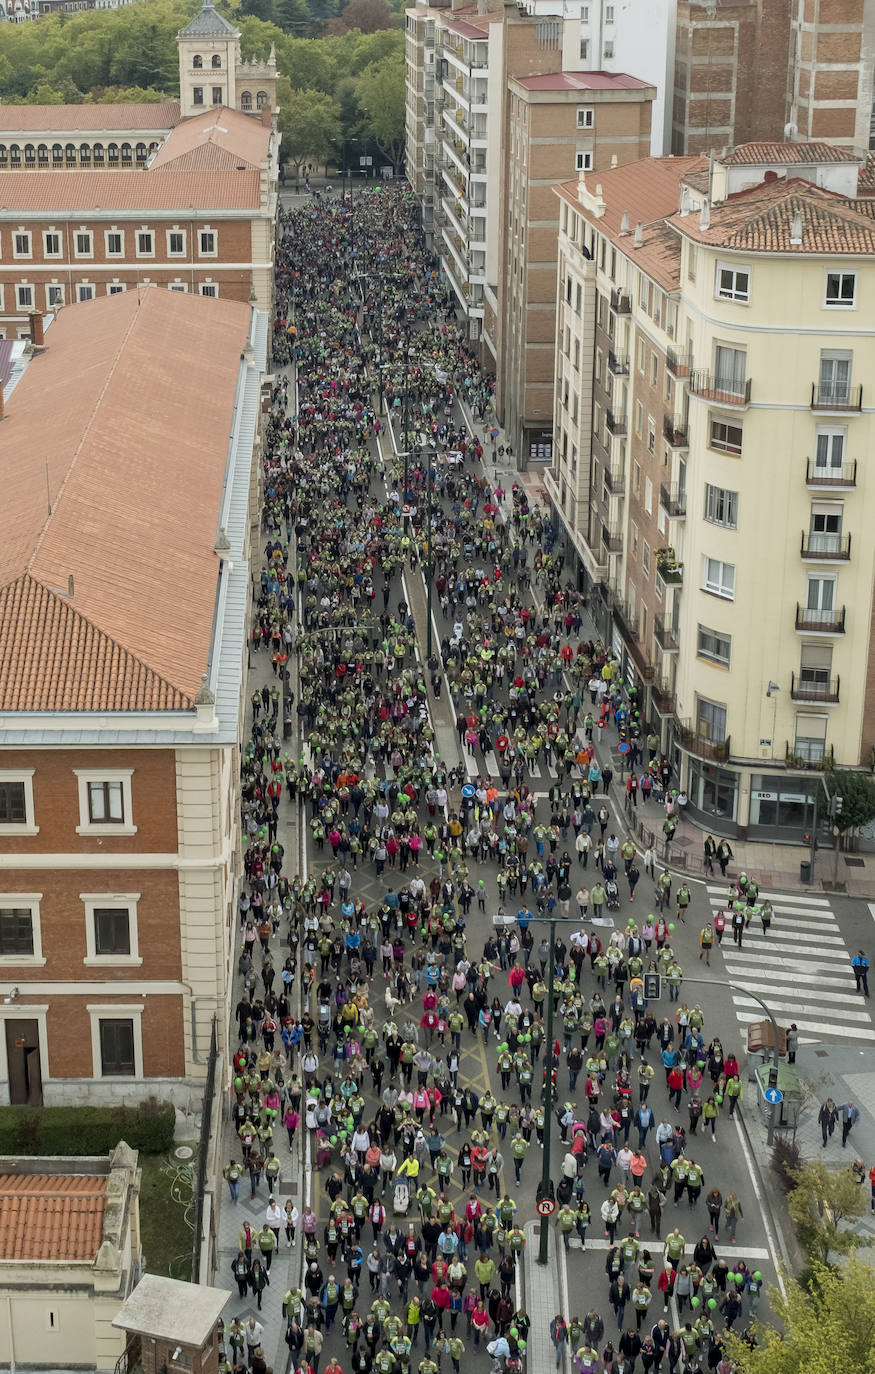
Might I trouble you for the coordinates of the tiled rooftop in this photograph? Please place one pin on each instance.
(51, 1216)
(221, 138)
(761, 220)
(83, 192)
(789, 153)
(582, 81)
(72, 119)
(131, 406)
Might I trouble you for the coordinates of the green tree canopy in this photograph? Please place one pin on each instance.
(820, 1202)
(310, 125)
(825, 1329)
(857, 791)
(380, 92)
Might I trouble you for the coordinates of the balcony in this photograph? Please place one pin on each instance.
(673, 499)
(819, 620)
(723, 391)
(809, 765)
(701, 745)
(679, 364)
(837, 479)
(836, 397)
(621, 302)
(665, 636)
(618, 366)
(616, 423)
(824, 547)
(615, 481)
(612, 539)
(668, 567)
(663, 699)
(826, 690)
(675, 431)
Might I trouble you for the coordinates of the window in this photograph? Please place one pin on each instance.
(841, 289)
(20, 934)
(98, 153)
(177, 286)
(52, 245)
(115, 288)
(835, 376)
(21, 245)
(815, 665)
(84, 291)
(654, 369)
(115, 244)
(810, 737)
(217, 61)
(207, 243)
(648, 496)
(821, 593)
(24, 296)
(246, 100)
(584, 49)
(733, 283)
(609, 50)
(217, 95)
(692, 260)
(145, 243)
(209, 288)
(651, 434)
(639, 418)
(710, 720)
(721, 506)
(713, 645)
(84, 245)
(829, 449)
(117, 1048)
(609, 14)
(197, 61)
(175, 243)
(105, 801)
(645, 557)
(719, 578)
(198, 95)
(16, 802)
(54, 296)
(116, 1039)
(585, 117)
(583, 162)
(725, 436)
(111, 927)
(730, 365)
(825, 529)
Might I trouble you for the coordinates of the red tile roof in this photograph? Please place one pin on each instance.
(583, 81)
(51, 1216)
(129, 410)
(766, 153)
(760, 220)
(220, 138)
(81, 192)
(73, 119)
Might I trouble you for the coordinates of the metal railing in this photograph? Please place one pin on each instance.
(665, 635)
(618, 366)
(807, 690)
(613, 540)
(819, 475)
(818, 544)
(701, 745)
(621, 302)
(616, 423)
(679, 364)
(202, 1154)
(730, 391)
(673, 498)
(675, 430)
(835, 396)
(818, 619)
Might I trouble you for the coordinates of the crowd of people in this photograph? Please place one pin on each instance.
(413, 1246)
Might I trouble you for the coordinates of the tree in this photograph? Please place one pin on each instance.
(368, 16)
(826, 1328)
(381, 94)
(857, 791)
(310, 124)
(821, 1200)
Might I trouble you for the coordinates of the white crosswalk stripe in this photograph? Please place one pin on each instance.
(802, 968)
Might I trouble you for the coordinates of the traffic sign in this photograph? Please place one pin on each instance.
(405, 510)
(652, 986)
(622, 747)
(468, 791)
(601, 725)
(773, 1096)
(546, 1207)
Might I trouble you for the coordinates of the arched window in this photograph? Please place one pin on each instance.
(112, 152)
(29, 153)
(262, 99)
(153, 147)
(127, 153)
(217, 61)
(70, 154)
(197, 61)
(42, 154)
(85, 154)
(141, 152)
(98, 153)
(4, 153)
(57, 153)
(246, 100)
(15, 155)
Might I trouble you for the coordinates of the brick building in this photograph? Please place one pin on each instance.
(122, 651)
(199, 218)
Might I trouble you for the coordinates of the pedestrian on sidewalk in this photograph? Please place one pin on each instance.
(849, 1115)
(559, 1336)
(860, 965)
(826, 1119)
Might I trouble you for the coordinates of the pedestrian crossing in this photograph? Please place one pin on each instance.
(802, 968)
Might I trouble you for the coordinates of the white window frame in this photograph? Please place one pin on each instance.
(16, 235)
(608, 50)
(24, 286)
(706, 654)
(115, 288)
(586, 116)
(728, 497)
(717, 587)
(718, 445)
(32, 901)
(733, 292)
(176, 252)
(84, 776)
(178, 286)
(28, 827)
(88, 233)
(116, 1011)
(85, 286)
(207, 252)
(209, 288)
(52, 234)
(107, 234)
(55, 286)
(119, 901)
(138, 233)
(583, 161)
(839, 304)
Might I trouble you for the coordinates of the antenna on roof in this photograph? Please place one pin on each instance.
(685, 200)
(638, 240)
(796, 229)
(624, 223)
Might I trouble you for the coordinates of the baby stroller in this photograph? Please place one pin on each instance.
(401, 1198)
(612, 896)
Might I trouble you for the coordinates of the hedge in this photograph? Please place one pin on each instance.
(86, 1130)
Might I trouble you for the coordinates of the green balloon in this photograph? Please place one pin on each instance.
(694, 1302)
(333, 1140)
(712, 1303)
(757, 1275)
(671, 925)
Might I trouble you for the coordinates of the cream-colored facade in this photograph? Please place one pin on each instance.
(717, 504)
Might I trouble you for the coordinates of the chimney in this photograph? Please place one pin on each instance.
(685, 200)
(615, 161)
(266, 116)
(624, 223)
(37, 333)
(796, 229)
(705, 216)
(638, 240)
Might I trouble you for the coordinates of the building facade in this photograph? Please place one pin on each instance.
(121, 691)
(711, 450)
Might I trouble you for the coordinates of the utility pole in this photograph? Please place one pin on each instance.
(429, 567)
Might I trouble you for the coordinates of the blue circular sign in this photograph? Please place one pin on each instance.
(468, 790)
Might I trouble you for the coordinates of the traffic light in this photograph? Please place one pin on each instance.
(652, 986)
(773, 1077)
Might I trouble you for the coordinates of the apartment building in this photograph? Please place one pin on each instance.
(712, 356)
(129, 462)
(199, 218)
(559, 124)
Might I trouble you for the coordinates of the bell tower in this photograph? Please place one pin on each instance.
(209, 56)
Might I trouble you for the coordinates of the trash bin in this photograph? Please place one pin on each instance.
(805, 871)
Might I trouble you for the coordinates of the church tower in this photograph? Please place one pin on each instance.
(209, 55)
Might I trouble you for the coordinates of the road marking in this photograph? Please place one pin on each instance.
(776, 896)
(839, 1013)
(822, 1027)
(753, 961)
(871, 906)
(749, 1251)
(752, 1173)
(794, 977)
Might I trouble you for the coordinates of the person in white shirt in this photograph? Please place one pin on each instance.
(274, 1217)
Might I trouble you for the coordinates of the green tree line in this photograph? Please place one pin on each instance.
(341, 91)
